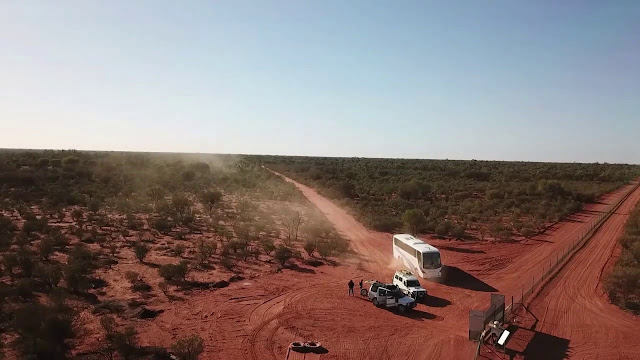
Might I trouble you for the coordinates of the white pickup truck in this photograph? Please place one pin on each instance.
(409, 284)
(388, 296)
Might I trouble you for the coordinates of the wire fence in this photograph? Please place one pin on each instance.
(556, 262)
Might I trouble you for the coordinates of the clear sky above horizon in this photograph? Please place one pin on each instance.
(499, 80)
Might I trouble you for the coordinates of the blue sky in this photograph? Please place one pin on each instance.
(503, 80)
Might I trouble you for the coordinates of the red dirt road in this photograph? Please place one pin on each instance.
(573, 305)
(257, 318)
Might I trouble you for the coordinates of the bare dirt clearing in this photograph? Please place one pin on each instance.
(258, 317)
(257, 320)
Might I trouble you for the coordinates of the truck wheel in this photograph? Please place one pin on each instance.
(402, 309)
(375, 302)
(363, 292)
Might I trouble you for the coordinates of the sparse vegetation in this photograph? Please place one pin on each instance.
(467, 196)
(141, 250)
(623, 283)
(69, 218)
(188, 348)
(283, 254)
(177, 272)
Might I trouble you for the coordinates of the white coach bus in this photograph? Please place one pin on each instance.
(417, 256)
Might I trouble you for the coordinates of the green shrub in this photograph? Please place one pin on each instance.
(414, 220)
(80, 265)
(227, 263)
(50, 274)
(45, 248)
(458, 231)
(141, 250)
(178, 249)
(267, 246)
(188, 348)
(443, 228)
(44, 332)
(283, 254)
(171, 272)
(206, 249)
(310, 247)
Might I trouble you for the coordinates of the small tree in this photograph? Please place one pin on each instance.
(123, 342)
(414, 220)
(310, 247)
(162, 224)
(80, 265)
(94, 206)
(188, 348)
(156, 193)
(227, 263)
(137, 282)
(9, 262)
(45, 248)
(113, 249)
(77, 215)
(181, 207)
(44, 331)
(206, 249)
(283, 254)
(50, 274)
(293, 221)
(171, 272)
(178, 249)
(210, 199)
(267, 246)
(141, 250)
(443, 228)
(458, 231)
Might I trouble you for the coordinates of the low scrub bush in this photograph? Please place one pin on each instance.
(188, 348)
(177, 272)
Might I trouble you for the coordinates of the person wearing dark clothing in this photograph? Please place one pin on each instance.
(351, 285)
(360, 284)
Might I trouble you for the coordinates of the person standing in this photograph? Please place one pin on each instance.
(351, 285)
(360, 285)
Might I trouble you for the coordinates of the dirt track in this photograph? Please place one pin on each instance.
(258, 318)
(574, 307)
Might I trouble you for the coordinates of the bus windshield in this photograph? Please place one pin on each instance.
(431, 260)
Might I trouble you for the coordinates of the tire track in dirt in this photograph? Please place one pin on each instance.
(376, 247)
(266, 318)
(574, 306)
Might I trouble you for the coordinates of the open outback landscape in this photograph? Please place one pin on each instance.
(319, 180)
(115, 255)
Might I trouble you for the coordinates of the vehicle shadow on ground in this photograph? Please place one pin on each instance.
(546, 346)
(461, 250)
(435, 301)
(416, 314)
(456, 277)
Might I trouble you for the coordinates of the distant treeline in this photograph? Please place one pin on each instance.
(463, 199)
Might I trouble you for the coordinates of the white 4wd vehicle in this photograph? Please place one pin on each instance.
(409, 284)
(388, 296)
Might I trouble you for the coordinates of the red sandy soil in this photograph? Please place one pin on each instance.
(573, 306)
(258, 318)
